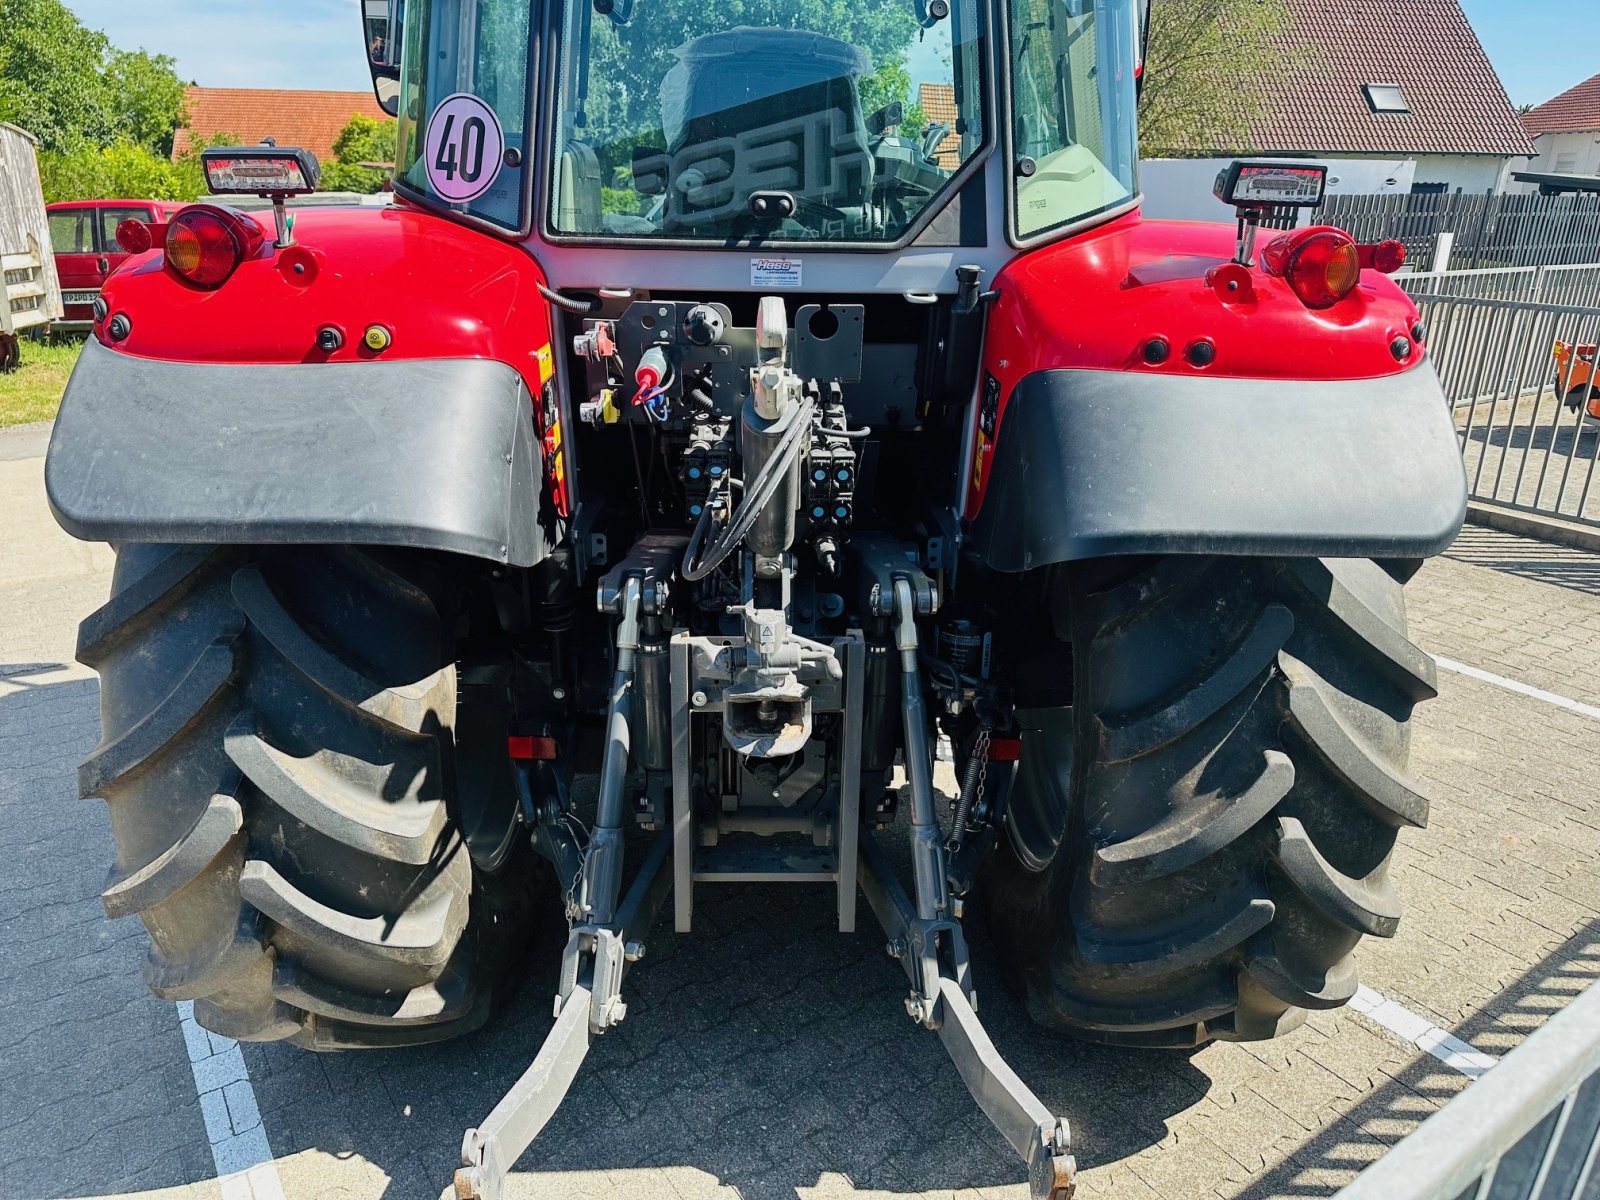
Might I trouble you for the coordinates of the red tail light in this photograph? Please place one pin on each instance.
(1387, 257)
(206, 243)
(136, 236)
(1321, 264)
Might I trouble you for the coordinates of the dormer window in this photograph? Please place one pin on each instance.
(1385, 98)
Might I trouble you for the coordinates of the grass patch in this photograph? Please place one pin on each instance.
(33, 391)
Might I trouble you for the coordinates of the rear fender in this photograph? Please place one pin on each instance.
(1143, 394)
(436, 454)
(263, 412)
(1092, 463)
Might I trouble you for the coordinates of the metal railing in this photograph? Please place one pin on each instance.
(1488, 231)
(1575, 284)
(1527, 437)
(1528, 1130)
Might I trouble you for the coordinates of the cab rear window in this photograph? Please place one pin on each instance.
(464, 106)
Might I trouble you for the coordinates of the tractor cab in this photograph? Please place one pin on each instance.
(893, 126)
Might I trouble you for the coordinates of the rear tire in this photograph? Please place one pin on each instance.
(278, 762)
(1584, 399)
(1201, 857)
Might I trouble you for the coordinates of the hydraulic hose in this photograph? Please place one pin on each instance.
(572, 304)
(757, 495)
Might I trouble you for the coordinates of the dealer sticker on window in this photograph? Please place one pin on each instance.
(774, 272)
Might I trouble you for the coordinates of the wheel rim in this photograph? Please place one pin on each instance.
(1036, 812)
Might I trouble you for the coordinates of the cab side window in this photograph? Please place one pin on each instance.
(1073, 102)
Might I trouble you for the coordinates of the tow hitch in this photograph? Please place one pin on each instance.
(934, 956)
(923, 932)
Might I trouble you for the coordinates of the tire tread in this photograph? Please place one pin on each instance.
(1238, 781)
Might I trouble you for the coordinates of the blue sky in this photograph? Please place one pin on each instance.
(1540, 47)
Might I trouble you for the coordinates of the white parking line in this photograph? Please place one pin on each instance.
(1512, 685)
(1421, 1033)
(233, 1122)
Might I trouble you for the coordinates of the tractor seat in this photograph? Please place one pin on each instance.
(754, 110)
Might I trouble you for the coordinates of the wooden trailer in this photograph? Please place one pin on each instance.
(32, 289)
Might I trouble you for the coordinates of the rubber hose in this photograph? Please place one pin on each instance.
(571, 304)
(757, 494)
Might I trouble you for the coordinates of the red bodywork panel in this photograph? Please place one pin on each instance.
(1095, 301)
(439, 289)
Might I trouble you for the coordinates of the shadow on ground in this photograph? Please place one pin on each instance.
(1544, 562)
(1559, 438)
(764, 1050)
(1331, 1158)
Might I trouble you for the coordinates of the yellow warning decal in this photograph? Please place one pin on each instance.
(547, 363)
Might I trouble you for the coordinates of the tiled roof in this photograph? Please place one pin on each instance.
(1311, 86)
(1577, 108)
(309, 119)
(938, 101)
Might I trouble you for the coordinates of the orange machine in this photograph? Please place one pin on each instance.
(1575, 377)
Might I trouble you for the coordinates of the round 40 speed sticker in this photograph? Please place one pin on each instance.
(465, 148)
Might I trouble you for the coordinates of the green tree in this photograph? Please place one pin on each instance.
(51, 75)
(891, 84)
(126, 171)
(360, 144)
(148, 96)
(74, 91)
(1201, 73)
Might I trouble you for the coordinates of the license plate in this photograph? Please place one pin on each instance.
(79, 297)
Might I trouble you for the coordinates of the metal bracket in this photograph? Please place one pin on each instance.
(589, 1002)
(934, 956)
(704, 674)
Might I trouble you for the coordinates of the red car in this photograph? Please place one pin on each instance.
(84, 236)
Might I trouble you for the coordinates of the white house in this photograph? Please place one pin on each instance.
(1566, 134)
(1396, 96)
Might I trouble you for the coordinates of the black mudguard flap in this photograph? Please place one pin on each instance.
(434, 454)
(1092, 463)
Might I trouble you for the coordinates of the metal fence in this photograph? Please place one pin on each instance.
(1576, 284)
(1528, 438)
(1488, 231)
(1526, 1131)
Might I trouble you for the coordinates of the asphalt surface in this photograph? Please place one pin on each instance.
(765, 1056)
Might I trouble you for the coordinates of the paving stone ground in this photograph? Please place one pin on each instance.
(767, 1057)
(1533, 450)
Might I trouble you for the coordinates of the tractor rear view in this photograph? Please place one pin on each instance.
(710, 428)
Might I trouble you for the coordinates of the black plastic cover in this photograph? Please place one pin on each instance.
(434, 454)
(1093, 463)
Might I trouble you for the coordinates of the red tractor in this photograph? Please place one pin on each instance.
(702, 435)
